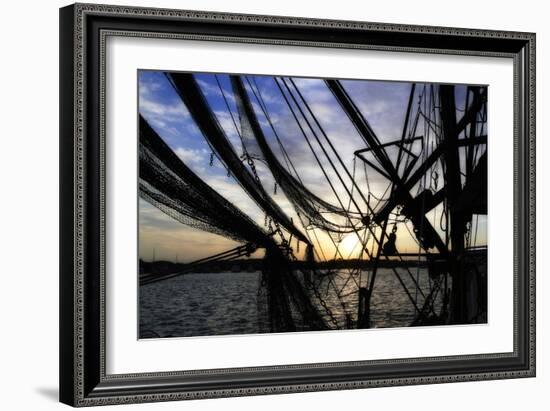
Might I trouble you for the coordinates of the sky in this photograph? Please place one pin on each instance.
(383, 104)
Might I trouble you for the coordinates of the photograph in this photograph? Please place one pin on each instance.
(288, 200)
(278, 204)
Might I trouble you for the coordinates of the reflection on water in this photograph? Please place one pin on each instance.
(226, 303)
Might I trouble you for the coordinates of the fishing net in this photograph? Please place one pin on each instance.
(191, 95)
(168, 184)
(255, 145)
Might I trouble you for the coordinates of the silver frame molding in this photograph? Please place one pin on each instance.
(83, 33)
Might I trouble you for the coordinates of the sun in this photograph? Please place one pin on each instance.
(349, 247)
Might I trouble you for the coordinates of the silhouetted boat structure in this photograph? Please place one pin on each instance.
(439, 161)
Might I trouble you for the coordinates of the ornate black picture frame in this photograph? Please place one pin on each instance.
(83, 32)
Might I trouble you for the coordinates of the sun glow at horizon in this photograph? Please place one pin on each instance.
(350, 246)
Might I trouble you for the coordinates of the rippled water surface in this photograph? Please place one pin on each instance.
(226, 303)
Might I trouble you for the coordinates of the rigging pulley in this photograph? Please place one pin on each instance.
(389, 247)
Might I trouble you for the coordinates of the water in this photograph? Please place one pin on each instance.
(226, 303)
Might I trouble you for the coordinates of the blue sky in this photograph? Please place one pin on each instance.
(382, 103)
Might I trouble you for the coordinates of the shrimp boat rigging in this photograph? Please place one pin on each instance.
(437, 170)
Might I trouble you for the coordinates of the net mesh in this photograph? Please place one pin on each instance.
(168, 184)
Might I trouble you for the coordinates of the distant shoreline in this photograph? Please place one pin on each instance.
(256, 264)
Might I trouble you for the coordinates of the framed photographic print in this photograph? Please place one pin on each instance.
(259, 204)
